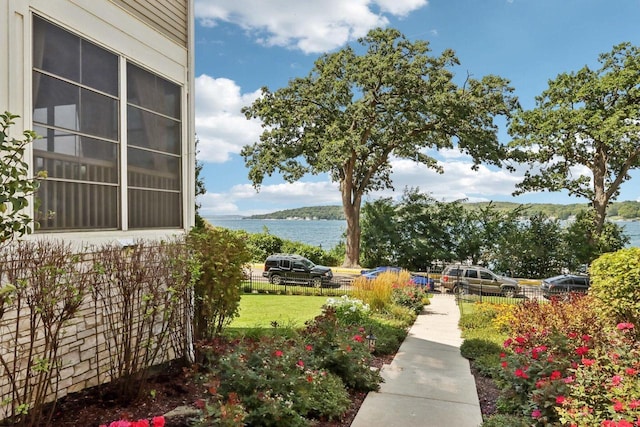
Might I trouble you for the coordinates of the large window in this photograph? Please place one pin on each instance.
(77, 102)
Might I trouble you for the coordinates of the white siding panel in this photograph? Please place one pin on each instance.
(166, 16)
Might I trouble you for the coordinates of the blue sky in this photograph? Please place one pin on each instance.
(242, 45)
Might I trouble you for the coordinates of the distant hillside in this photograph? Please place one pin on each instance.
(314, 212)
(622, 210)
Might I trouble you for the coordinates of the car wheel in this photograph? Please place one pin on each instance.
(508, 292)
(276, 279)
(459, 289)
(316, 282)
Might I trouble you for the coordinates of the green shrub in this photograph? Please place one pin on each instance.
(388, 337)
(615, 283)
(278, 382)
(222, 254)
(502, 420)
(349, 311)
(474, 348)
(409, 296)
(488, 365)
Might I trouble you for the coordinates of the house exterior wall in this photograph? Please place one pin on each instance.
(154, 35)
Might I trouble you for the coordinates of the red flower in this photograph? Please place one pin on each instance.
(300, 363)
(358, 338)
(308, 347)
(560, 400)
(630, 371)
(555, 375)
(507, 343)
(616, 380)
(157, 421)
(504, 364)
(581, 351)
(536, 413)
(309, 379)
(618, 406)
(521, 373)
(623, 326)
(278, 353)
(586, 338)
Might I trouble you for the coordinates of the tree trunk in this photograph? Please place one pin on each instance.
(600, 195)
(352, 214)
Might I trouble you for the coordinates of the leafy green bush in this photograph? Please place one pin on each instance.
(343, 351)
(349, 311)
(409, 296)
(222, 255)
(615, 283)
(474, 348)
(279, 382)
(503, 420)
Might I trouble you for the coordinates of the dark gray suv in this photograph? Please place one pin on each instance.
(289, 268)
(475, 279)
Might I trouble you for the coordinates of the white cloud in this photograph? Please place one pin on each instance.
(310, 26)
(270, 198)
(221, 128)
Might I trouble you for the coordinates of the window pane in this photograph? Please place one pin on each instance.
(148, 130)
(72, 205)
(56, 50)
(99, 68)
(55, 102)
(152, 92)
(153, 170)
(98, 115)
(154, 209)
(68, 156)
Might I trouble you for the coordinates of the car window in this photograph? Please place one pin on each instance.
(298, 265)
(485, 275)
(454, 272)
(473, 274)
(581, 281)
(286, 264)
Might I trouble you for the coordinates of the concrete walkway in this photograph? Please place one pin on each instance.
(428, 383)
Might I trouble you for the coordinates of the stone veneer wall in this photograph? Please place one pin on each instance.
(87, 354)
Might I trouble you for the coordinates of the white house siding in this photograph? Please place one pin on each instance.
(154, 35)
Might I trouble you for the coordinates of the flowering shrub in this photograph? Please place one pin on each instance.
(343, 351)
(349, 311)
(563, 371)
(155, 422)
(605, 387)
(278, 382)
(409, 295)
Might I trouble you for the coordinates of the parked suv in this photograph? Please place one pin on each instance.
(289, 268)
(472, 278)
(563, 284)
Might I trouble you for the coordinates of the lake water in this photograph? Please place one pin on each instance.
(328, 233)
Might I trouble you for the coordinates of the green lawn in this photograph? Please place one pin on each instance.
(259, 310)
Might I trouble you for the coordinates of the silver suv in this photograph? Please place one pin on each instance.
(475, 279)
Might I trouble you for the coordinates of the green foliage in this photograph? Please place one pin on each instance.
(315, 124)
(343, 351)
(503, 420)
(586, 245)
(474, 348)
(316, 212)
(349, 311)
(16, 186)
(409, 296)
(279, 382)
(261, 245)
(222, 255)
(314, 253)
(584, 119)
(615, 283)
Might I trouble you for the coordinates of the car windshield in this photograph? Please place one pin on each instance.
(307, 263)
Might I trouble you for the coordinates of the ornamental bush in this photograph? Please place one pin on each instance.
(615, 283)
(349, 311)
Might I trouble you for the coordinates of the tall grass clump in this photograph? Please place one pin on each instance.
(378, 292)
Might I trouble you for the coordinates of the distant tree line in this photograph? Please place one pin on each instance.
(421, 233)
(622, 210)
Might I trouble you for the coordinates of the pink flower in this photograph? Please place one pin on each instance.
(560, 400)
(536, 413)
(623, 326)
(300, 363)
(507, 343)
(278, 353)
(586, 338)
(630, 371)
(308, 347)
(588, 362)
(504, 364)
(616, 380)
(634, 404)
(618, 406)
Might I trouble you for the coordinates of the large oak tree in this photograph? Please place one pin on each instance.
(585, 121)
(360, 107)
